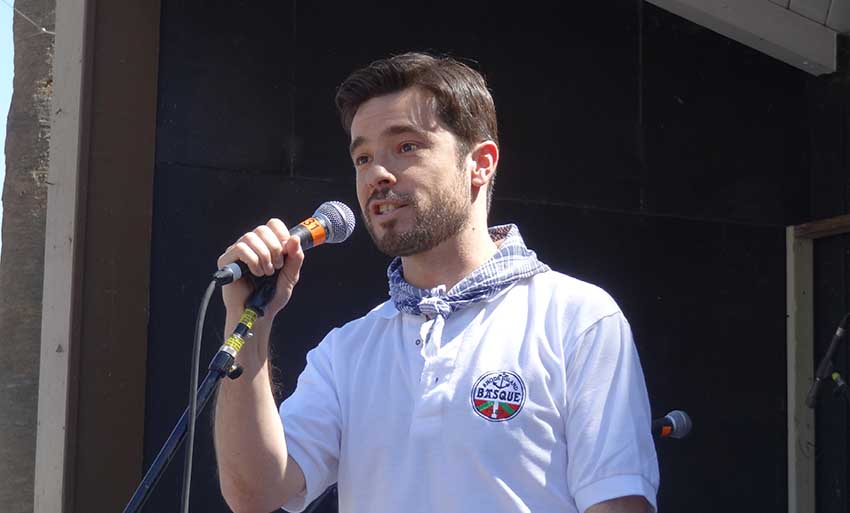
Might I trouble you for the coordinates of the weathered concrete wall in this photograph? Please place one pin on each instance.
(22, 259)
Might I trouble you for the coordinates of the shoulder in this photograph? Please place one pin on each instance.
(576, 303)
(572, 294)
(378, 318)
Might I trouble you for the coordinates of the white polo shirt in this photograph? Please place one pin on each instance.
(535, 401)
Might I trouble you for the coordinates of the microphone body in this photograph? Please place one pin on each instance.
(676, 424)
(332, 222)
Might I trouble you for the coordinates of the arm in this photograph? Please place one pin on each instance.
(256, 472)
(630, 504)
(612, 454)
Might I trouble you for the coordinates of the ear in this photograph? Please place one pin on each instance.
(485, 157)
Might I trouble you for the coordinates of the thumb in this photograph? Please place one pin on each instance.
(294, 258)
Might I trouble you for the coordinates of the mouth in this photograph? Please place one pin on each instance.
(385, 208)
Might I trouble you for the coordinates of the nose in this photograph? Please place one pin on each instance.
(378, 177)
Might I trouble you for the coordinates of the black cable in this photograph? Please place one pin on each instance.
(193, 396)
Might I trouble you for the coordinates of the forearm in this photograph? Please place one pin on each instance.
(255, 471)
(630, 504)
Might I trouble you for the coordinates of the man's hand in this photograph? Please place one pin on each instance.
(629, 504)
(265, 249)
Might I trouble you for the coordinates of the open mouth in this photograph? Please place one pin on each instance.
(382, 209)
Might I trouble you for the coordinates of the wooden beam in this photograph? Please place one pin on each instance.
(839, 16)
(823, 228)
(800, 370)
(97, 257)
(115, 258)
(61, 292)
(815, 10)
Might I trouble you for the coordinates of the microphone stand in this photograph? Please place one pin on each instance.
(826, 366)
(222, 364)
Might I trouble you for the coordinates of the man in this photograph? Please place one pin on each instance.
(486, 383)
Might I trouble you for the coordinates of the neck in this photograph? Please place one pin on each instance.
(451, 260)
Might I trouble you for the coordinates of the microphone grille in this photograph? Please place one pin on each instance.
(682, 423)
(341, 220)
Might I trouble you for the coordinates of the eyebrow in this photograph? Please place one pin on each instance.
(389, 132)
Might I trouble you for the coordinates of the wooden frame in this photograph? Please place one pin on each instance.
(93, 365)
(59, 323)
(800, 348)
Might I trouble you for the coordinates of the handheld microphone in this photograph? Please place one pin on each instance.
(333, 222)
(676, 424)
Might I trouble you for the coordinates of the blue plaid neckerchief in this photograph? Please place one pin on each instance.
(511, 263)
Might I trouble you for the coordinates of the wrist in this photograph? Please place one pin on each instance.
(255, 351)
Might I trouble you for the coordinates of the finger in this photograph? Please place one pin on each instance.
(272, 243)
(294, 258)
(227, 257)
(279, 229)
(264, 265)
(241, 252)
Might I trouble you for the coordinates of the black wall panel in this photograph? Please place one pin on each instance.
(725, 127)
(639, 152)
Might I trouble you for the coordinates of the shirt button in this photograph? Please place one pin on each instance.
(418, 341)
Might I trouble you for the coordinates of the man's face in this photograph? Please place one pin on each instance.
(410, 184)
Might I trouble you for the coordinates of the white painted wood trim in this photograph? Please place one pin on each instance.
(767, 27)
(57, 324)
(800, 368)
(815, 10)
(839, 16)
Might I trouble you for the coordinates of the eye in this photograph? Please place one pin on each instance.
(408, 147)
(360, 160)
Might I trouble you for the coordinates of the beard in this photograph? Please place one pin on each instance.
(440, 219)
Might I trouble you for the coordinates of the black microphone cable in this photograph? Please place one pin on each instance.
(264, 290)
(193, 396)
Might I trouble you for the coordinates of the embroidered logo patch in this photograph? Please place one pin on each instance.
(498, 395)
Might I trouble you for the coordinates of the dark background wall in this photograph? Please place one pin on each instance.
(640, 152)
(829, 121)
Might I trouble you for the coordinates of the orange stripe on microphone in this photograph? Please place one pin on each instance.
(665, 431)
(317, 231)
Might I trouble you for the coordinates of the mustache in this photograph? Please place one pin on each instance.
(389, 195)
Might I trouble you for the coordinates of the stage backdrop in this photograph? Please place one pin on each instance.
(640, 152)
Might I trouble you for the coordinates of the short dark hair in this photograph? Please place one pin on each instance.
(463, 102)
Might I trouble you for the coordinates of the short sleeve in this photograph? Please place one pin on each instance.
(609, 442)
(311, 424)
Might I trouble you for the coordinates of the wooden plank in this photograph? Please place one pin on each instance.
(823, 228)
(800, 369)
(116, 257)
(839, 16)
(815, 10)
(767, 27)
(58, 325)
